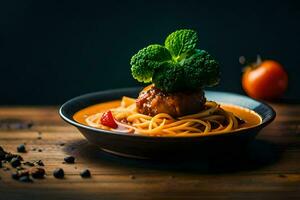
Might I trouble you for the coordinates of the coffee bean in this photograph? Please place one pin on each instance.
(15, 175)
(19, 173)
(58, 173)
(19, 168)
(21, 148)
(39, 163)
(15, 162)
(85, 173)
(69, 159)
(18, 157)
(37, 172)
(2, 155)
(25, 179)
(24, 172)
(30, 164)
(10, 156)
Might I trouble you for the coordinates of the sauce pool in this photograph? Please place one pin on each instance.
(250, 117)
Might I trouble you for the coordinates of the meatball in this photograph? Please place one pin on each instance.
(152, 101)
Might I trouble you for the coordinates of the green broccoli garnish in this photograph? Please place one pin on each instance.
(170, 77)
(180, 42)
(147, 60)
(177, 66)
(201, 69)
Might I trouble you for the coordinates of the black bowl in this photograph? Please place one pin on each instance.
(138, 146)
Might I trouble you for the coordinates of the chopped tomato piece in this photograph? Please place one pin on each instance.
(107, 119)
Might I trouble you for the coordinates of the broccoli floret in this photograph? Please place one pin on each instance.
(198, 70)
(169, 77)
(201, 70)
(177, 66)
(147, 60)
(180, 42)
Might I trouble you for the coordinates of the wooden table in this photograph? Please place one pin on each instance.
(270, 169)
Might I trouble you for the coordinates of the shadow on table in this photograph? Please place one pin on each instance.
(285, 100)
(257, 154)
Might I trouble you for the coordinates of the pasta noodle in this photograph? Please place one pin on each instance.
(213, 119)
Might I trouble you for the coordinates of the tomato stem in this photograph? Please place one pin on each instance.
(258, 60)
(250, 65)
(242, 60)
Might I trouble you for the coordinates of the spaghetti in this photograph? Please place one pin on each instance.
(211, 120)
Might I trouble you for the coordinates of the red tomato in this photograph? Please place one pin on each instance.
(268, 80)
(107, 119)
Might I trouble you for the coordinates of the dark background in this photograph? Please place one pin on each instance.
(54, 50)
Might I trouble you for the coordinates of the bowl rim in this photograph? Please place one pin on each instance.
(71, 121)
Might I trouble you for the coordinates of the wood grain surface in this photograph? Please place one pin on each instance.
(268, 169)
